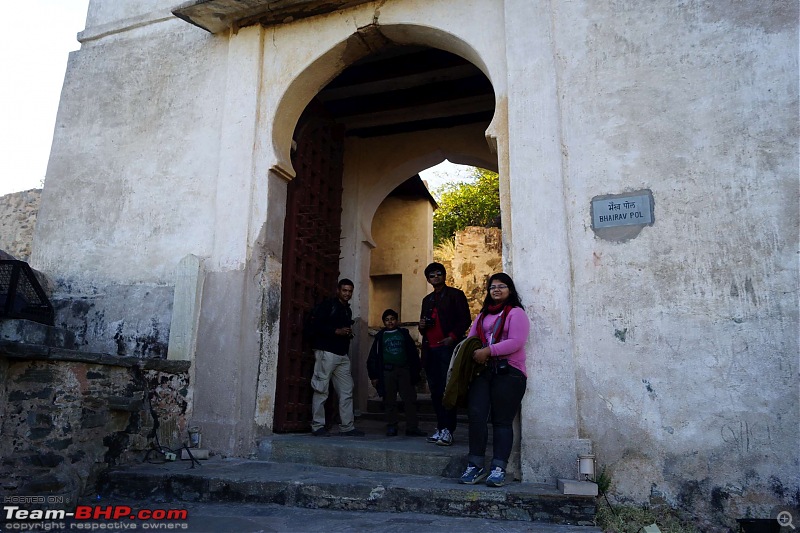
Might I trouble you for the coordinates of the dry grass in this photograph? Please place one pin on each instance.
(445, 251)
(631, 519)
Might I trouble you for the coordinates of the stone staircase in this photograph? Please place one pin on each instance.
(371, 473)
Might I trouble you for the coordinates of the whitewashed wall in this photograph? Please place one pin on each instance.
(674, 354)
(131, 181)
(686, 336)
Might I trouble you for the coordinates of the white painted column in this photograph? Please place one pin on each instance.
(236, 291)
(540, 253)
(238, 140)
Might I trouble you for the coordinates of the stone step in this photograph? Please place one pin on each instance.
(425, 410)
(370, 473)
(334, 488)
(375, 452)
(424, 406)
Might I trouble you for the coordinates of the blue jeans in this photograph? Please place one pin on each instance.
(498, 395)
(437, 361)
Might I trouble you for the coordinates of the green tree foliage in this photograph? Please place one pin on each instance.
(475, 202)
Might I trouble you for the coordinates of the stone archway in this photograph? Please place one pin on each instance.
(294, 71)
(401, 142)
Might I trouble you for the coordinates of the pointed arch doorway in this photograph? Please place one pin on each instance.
(401, 98)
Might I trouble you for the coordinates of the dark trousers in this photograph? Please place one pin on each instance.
(437, 361)
(398, 379)
(498, 395)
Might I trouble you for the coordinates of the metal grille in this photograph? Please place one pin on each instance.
(310, 261)
(21, 295)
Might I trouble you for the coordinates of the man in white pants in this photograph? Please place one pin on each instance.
(331, 324)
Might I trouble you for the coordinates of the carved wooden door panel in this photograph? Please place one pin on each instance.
(310, 259)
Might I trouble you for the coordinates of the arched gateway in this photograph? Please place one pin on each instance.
(380, 151)
(649, 193)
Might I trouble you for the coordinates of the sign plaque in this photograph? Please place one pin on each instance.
(622, 210)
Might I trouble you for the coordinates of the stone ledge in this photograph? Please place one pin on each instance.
(37, 352)
(216, 16)
(28, 332)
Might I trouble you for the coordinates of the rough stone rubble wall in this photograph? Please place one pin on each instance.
(101, 418)
(478, 255)
(17, 222)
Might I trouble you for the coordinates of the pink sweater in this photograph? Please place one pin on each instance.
(513, 338)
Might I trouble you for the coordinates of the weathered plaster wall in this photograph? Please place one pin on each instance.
(404, 245)
(685, 338)
(130, 182)
(103, 12)
(17, 221)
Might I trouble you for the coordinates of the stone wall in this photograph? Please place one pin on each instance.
(17, 221)
(478, 255)
(402, 250)
(67, 416)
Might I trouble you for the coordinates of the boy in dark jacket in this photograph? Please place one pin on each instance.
(393, 365)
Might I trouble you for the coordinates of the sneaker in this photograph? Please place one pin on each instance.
(321, 432)
(391, 431)
(415, 432)
(472, 475)
(352, 433)
(497, 478)
(445, 438)
(435, 437)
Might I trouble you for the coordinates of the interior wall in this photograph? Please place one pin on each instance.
(403, 237)
(385, 293)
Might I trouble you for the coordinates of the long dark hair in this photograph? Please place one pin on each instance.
(513, 298)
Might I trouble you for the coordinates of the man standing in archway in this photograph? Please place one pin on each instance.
(444, 320)
(331, 324)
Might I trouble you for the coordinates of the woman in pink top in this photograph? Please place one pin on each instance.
(503, 327)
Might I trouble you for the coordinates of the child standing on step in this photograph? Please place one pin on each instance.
(393, 366)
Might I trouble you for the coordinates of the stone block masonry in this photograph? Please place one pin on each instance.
(67, 416)
(17, 222)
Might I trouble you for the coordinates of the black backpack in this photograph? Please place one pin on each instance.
(308, 321)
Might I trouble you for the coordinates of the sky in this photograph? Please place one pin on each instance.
(34, 46)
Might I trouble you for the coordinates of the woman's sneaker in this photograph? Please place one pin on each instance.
(445, 438)
(497, 478)
(472, 475)
(435, 437)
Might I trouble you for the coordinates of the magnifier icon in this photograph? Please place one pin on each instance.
(785, 519)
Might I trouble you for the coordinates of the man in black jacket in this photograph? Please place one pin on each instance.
(444, 321)
(331, 325)
(393, 366)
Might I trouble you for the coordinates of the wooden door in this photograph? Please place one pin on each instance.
(310, 258)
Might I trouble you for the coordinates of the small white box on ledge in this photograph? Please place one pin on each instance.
(579, 488)
(197, 453)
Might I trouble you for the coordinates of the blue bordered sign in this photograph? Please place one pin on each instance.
(622, 211)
